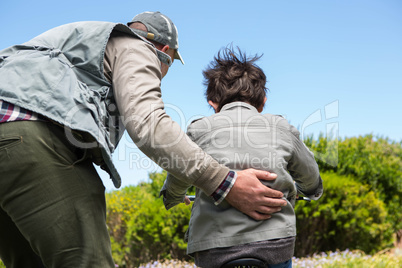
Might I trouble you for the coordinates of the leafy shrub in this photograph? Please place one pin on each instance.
(373, 161)
(141, 228)
(121, 205)
(348, 215)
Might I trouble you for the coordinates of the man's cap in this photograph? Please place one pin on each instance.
(160, 29)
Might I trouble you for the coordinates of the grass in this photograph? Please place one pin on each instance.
(350, 259)
(347, 259)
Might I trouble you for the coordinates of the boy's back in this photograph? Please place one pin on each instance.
(240, 137)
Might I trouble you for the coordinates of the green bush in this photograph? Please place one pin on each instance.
(348, 215)
(373, 161)
(141, 228)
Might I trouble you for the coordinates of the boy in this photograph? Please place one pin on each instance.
(240, 137)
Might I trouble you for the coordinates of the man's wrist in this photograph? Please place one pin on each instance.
(224, 188)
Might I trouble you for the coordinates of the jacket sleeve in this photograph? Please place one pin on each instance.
(174, 190)
(134, 70)
(304, 169)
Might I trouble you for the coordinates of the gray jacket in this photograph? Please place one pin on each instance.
(59, 74)
(240, 137)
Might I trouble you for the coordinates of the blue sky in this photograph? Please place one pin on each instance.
(333, 67)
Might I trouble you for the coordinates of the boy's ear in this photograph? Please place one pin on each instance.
(214, 105)
(262, 106)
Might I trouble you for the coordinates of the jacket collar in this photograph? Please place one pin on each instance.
(238, 105)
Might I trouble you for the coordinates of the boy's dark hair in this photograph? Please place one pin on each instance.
(233, 77)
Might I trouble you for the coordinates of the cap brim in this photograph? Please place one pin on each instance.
(178, 56)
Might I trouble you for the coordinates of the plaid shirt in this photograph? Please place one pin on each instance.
(224, 188)
(9, 112)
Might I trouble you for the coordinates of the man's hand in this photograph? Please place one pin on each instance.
(187, 201)
(253, 198)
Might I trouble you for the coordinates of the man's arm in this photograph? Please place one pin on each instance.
(173, 191)
(135, 74)
(136, 78)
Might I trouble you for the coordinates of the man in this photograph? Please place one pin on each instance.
(66, 97)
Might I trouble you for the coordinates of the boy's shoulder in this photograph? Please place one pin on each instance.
(198, 127)
(197, 121)
(279, 121)
(207, 123)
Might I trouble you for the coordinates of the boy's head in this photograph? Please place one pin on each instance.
(233, 77)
